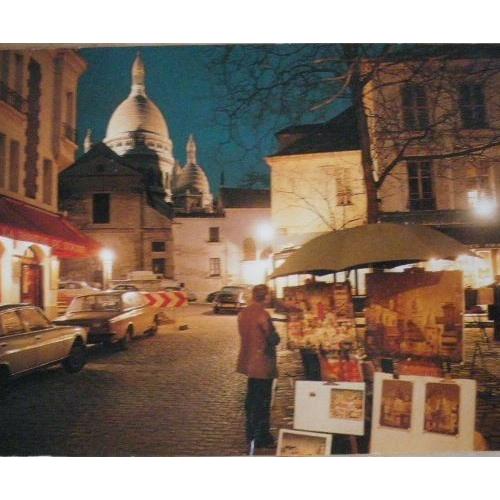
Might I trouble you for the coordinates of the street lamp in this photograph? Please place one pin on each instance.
(107, 257)
(265, 232)
(485, 207)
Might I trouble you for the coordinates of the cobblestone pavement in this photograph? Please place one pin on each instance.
(171, 395)
(176, 394)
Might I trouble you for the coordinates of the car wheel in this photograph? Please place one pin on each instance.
(77, 357)
(125, 340)
(154, 329)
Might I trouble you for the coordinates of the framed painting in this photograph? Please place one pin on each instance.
(292, 443)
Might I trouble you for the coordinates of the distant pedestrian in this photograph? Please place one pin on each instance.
(257, 360)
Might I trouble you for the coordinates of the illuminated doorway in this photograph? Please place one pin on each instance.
(31, 278)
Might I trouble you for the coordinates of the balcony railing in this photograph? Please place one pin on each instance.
(12, 98)
(69, 132)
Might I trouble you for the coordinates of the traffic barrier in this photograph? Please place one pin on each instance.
(166, 299)
(169, 300)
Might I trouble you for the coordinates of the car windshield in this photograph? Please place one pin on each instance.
(231, 289)
(88, 303)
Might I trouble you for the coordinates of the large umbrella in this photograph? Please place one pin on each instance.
(385, 245)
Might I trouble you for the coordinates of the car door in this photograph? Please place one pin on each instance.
(17, 345)
(134, 302)
(51, 342)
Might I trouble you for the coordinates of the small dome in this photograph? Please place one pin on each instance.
(194, 179)
(137, 111)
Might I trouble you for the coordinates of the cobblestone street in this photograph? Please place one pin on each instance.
(170, 395)
(176, 394)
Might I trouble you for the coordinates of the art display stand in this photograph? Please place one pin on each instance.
(414, 330)
(413, 414)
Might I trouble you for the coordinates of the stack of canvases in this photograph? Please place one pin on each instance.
(416, 315)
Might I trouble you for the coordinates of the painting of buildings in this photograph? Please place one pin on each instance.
(442, 403)
(415, 313)
(303, 444)
(397, 398)
(346, 404)
(321, 316)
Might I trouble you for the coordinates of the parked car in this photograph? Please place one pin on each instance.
(111, 317)
(29, 341)
(126, 287)
(69, 289)
(211, 296)
(230, 298)
(191, 296)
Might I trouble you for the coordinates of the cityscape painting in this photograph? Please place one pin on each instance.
(415, 313)
(397, 396)
(442, 406)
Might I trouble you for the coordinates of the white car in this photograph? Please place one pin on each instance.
(28, 341)
(70, 289)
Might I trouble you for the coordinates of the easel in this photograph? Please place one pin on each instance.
(478, 350)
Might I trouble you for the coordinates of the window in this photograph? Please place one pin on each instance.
(47, 181)
(344, 193)
(249, 249)
(14, 166)
(100, 208)
(214, 266)
(415, 113)
(10, 324)
(34, 319)
(420, 186)
(158, 246)
(472, 106)
(2, 160)
(159, 266)
(4, 67)
(213, 234)
(18, 83)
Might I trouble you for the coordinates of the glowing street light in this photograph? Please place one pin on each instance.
(107, 257)
(484, 207)
(265, 232)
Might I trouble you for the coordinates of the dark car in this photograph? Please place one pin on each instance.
(191, 296)
(114, 316)
(230, 298)
(29, 341)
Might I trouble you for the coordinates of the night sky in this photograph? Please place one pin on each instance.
(180, 83)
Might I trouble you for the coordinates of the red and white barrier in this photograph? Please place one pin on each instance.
(166, 299)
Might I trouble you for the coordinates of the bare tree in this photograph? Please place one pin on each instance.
(382, 82)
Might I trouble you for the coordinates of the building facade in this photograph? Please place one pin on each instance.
(231, 245)
(434, 129)
(38, 90)
(111, 201)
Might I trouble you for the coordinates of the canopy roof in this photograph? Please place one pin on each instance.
(24, 222)
(384, 244)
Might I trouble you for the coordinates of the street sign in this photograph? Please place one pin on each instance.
(166, 299)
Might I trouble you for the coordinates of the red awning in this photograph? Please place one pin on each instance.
(21, 221)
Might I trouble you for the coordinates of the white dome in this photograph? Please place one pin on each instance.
(194, 179)
(137, 112)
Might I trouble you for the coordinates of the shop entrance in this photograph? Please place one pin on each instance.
(31, 279)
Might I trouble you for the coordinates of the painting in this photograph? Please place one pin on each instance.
(442, 405)
(293, 443)
(320, 316)
(395, 410)
(415, 313)
(346, 404)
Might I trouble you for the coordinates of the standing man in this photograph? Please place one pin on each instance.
(257, 360)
